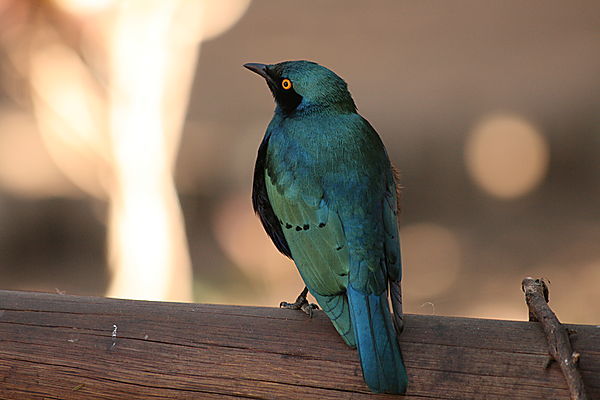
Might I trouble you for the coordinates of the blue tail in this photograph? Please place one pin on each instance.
(378, 349)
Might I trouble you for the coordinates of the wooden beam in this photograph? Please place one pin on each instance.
(70, 347)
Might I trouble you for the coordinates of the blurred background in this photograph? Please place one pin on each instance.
(129, 130)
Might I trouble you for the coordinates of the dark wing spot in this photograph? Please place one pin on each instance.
(322, 224)
(298, 228)
(339, 248)
(343, 274)
(305, 227)
(288, 226)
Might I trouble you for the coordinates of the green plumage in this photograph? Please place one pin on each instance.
(316, 237)
(325, 192)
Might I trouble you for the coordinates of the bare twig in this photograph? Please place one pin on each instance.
(536, 296)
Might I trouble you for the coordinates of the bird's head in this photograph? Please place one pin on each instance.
(304, 86)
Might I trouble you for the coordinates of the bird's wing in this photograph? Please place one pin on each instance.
(317, 243)
(261, 204)
(316, 239)
(390, 223)
(392, 244)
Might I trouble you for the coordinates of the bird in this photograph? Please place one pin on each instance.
(326, 194)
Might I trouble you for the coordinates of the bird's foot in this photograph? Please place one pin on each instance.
(301, 304)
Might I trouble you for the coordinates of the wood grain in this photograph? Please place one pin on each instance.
(61, 347)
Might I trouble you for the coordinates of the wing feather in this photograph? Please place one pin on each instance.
(262, 205)
(317, 243)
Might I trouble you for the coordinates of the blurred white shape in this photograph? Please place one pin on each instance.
(26, 170)
(506, 156)
(431, 259)
(69, 108)
(146, 236)
(119, 138)
(82, 7)
(153, 50)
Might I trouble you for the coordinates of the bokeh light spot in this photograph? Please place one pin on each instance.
(431, 260)
(506, 156)
(242, 238)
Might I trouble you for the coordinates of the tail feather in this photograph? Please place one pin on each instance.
(378, 349)
(337, 309)
(396, 296)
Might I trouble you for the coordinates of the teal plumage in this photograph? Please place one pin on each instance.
(325, 192)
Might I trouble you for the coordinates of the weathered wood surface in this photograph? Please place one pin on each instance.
(61, 347)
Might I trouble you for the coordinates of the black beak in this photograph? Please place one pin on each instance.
(260, 69)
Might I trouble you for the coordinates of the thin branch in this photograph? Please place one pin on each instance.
(557, 336)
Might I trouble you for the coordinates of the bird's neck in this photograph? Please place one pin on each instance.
(305, 109)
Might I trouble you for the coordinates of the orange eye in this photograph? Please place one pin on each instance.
(286, 84)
